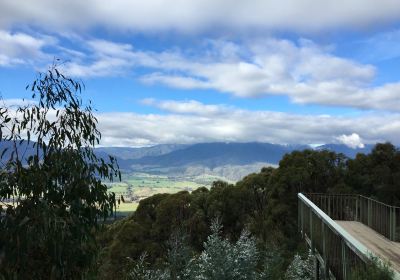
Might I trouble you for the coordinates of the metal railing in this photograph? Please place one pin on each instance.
(383, 218)
(339, 255)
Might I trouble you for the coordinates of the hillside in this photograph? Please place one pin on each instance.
(135, 153)
(212, 155)
(217, 154)
(228, 160)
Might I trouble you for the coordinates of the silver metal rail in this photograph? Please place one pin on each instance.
(339, 255)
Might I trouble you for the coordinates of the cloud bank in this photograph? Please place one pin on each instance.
(305, 72)
(244, 67)
(191, 122)
(199, 15)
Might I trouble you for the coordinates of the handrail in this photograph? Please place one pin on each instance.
(355, 195)
(362, 251)
(379, 202)
(377, 215)
(338, 251)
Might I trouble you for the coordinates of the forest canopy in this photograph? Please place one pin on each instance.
(264, 203)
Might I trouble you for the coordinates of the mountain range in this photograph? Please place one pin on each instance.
(206, 157)
(230, 160)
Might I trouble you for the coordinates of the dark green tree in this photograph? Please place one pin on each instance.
(258, 186)
(55, 181)
(377, 174)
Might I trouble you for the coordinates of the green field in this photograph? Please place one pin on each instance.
(137, 186)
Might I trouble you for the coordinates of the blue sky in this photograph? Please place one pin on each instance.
(290, 71)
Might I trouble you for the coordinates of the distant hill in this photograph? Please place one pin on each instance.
(218, 158)
(217, 154)
(350, 152)
(135, 153)
(25, 150)
(212, 155)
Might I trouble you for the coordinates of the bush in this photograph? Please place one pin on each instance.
(301, 268)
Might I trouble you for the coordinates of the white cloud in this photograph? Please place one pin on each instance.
(192, 124)
(200, 15)
(305, 72)
(353, 140)
(105, 58)
(175, 81)
(188, 107)
(22, 48)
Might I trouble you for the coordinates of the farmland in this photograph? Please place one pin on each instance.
(136, 186)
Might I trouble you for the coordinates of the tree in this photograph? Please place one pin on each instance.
(179, 255)
(50, 171)
(141, 271)
(224, 261)
(376, 174)
(259, 185)
(301, 268)
(300, 171)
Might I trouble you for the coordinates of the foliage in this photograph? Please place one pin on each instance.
(223, 260)
(220, 260)
(375, 270)
(301, 268)
(377, 174)
(141, 271)
(265, 203)
(50, 172)
(273, 264)
(179, 255)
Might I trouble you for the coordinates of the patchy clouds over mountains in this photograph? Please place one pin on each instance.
(184, 72)
(231, 161)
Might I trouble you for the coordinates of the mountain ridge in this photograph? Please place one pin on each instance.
(214, 154)
(210, 155)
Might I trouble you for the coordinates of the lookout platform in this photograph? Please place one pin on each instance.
(345, 231)
(375, 242)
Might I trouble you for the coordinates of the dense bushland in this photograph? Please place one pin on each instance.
(263, 203)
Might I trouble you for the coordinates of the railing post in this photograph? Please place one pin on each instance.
(393, 223)
(324, 253)
(329, 206)
(302, 219)
(344, 260)
(311, 233)
(316, 268)
(299, 214)
(357, 210)
(369, 212)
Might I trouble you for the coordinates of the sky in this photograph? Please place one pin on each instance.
(178, 71)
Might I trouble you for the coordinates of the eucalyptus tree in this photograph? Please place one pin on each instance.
(52, 193)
